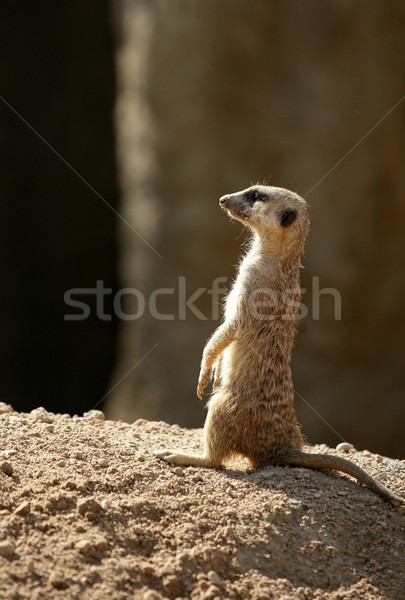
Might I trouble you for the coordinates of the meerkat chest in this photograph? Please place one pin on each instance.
(254, 274)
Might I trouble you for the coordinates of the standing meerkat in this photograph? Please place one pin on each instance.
(251, 411)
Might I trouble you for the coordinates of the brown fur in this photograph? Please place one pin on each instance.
(251, 411)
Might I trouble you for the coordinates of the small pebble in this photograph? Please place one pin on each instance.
(61, 503)
(41, 414)
(94, 415)
(213, 577)
(171, 581)
(178, 471)
(17, 419)
(23, 508)
(344, 447)
(5, 408)
(101, 543)
(6, 549)
(88, 506)
(104, 463)
(88, 547)
(83, 546)
(57, 581)
(151, 595)
(31, 566)
(138, 530)
(6, 468)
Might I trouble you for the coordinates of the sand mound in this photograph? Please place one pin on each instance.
(87, 512)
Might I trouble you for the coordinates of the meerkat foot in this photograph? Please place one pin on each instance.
(184, 460)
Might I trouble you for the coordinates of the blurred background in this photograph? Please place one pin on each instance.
(121, 125)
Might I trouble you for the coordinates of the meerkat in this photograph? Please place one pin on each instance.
(251, 411)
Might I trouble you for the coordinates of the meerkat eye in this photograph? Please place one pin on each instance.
(254, 196)
(287, 217)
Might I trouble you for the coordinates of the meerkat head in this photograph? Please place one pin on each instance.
(278, 216)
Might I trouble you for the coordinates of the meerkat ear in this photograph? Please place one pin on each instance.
(287, 217)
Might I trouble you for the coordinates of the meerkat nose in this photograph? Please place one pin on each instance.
(223, 199)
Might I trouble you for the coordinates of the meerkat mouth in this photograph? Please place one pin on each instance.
(236, 214)
(233, 212)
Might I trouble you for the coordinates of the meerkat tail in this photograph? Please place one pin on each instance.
(336, 463)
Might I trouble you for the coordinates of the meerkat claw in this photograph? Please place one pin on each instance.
(169, 456)
(216, 385)
(202, 384)
(172, 456)
(163, 454)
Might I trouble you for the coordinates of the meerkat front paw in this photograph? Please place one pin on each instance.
(203, 381)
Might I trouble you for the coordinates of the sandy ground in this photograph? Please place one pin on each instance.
(87, 512)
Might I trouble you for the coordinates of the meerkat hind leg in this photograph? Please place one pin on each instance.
(186, 460)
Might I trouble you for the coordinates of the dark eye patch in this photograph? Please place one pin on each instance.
(287, 217)
(254, 196)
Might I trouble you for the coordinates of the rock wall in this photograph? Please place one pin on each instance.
(214, 96)
(56, 233)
